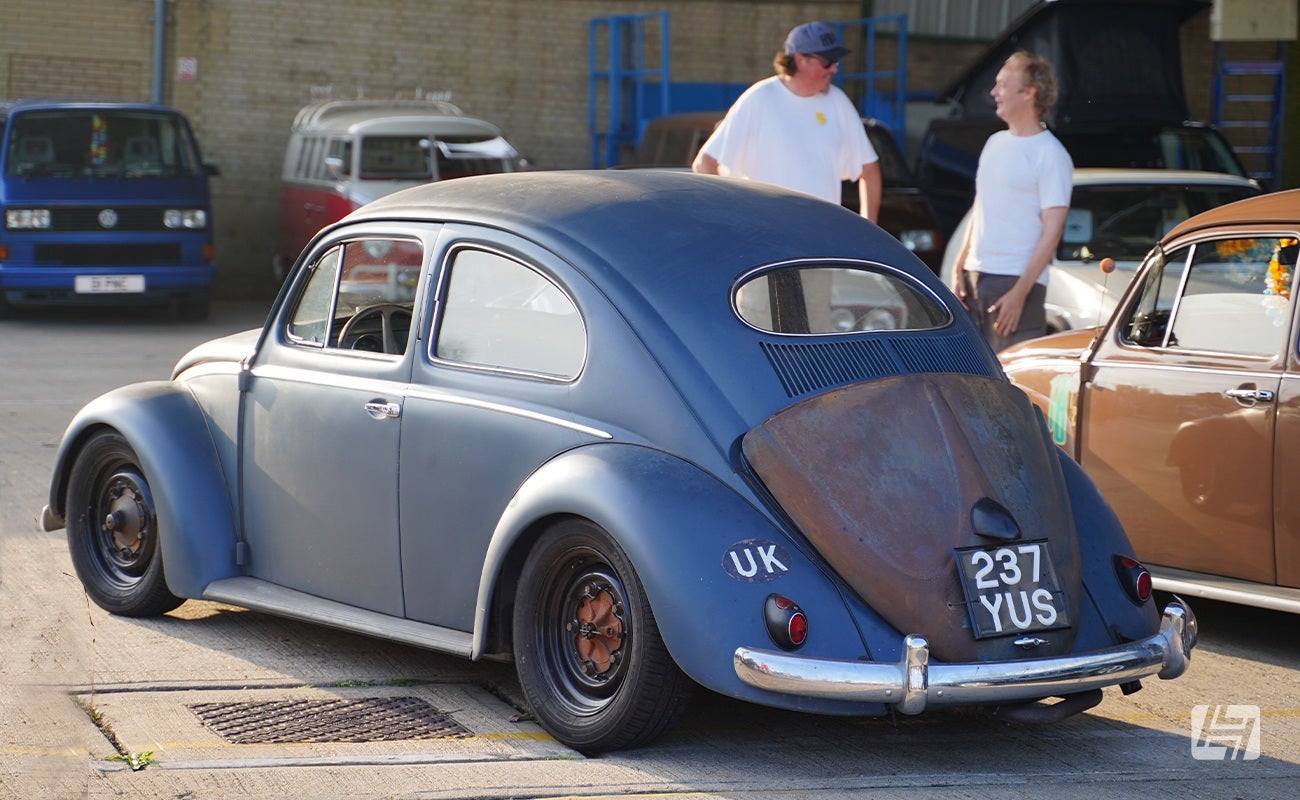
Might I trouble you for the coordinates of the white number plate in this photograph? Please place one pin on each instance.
(1011, 589)
(109, 284)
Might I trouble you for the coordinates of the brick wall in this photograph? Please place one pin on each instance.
(522, 64)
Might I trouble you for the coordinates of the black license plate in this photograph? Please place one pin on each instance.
(1011, 589)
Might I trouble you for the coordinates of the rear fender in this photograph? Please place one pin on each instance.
(1101, 539)
(170, 435)
(681, 527)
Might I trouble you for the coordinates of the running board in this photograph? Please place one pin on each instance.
(259, 595)
(1229, 590)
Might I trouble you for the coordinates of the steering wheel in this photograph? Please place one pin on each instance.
(386, 313)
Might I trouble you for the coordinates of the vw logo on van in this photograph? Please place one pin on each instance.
(107, 218)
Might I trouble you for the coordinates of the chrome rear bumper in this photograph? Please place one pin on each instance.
(913, 683)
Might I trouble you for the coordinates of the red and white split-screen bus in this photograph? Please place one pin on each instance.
(344, 153)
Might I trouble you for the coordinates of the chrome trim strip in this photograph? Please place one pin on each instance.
(913, 683)
(425, 393)
(314, 377)
(1265, 375)
(1228, 590)
(414, 392)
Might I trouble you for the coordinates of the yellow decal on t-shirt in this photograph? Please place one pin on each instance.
(821, 118)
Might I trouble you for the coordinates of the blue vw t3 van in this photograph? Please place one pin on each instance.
(104, 203)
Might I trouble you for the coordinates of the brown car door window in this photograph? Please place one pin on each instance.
(1223, 296)
(1235, 297)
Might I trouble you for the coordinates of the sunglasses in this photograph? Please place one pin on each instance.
(827, 63)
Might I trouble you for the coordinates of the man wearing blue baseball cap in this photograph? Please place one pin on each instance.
(795, 129)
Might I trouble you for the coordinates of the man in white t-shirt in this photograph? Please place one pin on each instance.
(1022, 193)
(796, 130)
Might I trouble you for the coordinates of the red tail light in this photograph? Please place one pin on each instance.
(786, 622)
(1134, 578)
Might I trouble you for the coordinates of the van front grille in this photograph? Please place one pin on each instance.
(107, 255)
(87, 218)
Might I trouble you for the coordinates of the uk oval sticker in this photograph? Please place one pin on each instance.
(756, 561)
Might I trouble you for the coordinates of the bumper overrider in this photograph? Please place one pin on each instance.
(913, 683)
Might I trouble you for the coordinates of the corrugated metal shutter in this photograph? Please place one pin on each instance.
(967, 19)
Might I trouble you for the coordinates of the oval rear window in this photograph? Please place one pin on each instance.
(835, 299)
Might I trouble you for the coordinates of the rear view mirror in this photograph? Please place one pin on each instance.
(1078, 226)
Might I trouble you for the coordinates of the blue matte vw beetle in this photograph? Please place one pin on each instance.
(635, 431)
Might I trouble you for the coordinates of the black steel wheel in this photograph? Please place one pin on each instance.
(113, 530)
(590, 659)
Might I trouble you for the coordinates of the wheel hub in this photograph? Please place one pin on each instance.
(597, 630)
(126, 523)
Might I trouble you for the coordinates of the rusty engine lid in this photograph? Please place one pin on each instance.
(884, 478)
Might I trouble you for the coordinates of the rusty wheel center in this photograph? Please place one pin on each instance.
(597, 630)
(126, 520)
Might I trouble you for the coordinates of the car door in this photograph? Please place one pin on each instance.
(1178, 419)
(491, 399)
(321, 424)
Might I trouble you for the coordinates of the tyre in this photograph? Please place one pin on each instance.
(113, 530)
(589, 655)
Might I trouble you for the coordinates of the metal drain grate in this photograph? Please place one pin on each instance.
(370, 719)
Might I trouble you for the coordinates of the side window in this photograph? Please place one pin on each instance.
(359, 296)
(342, 150)
(499, 313)
(305, 157)
(1236, 296)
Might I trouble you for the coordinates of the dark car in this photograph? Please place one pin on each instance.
(1183, 406)
(1122, 101)
(673, 141)
(613, 435)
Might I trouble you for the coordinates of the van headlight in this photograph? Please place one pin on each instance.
(27, 219)
(189, 218)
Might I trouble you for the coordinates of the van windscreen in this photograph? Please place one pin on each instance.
(100, 143)
(406, 158)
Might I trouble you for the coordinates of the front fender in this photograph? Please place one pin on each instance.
(679, 526)
(170, 435)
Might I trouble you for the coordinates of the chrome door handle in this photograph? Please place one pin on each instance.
(1250, 395)
(381, 410)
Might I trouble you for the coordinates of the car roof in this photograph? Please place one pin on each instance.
(1281, 208)
(649, 228)
(665, 247)
(56, 103)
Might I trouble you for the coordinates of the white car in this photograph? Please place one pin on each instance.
(1118, 214)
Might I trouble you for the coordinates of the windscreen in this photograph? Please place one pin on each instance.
(100, 143)
(407, 158)
(1124, 222)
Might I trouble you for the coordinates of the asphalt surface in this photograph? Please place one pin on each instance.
(212, 701)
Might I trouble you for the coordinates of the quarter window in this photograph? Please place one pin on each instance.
(834, 299)
(499, 313)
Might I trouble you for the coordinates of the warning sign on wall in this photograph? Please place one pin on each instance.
(1253, 21)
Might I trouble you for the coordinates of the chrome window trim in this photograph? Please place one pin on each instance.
(841, 263)
(288, 339)
(440, 298)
